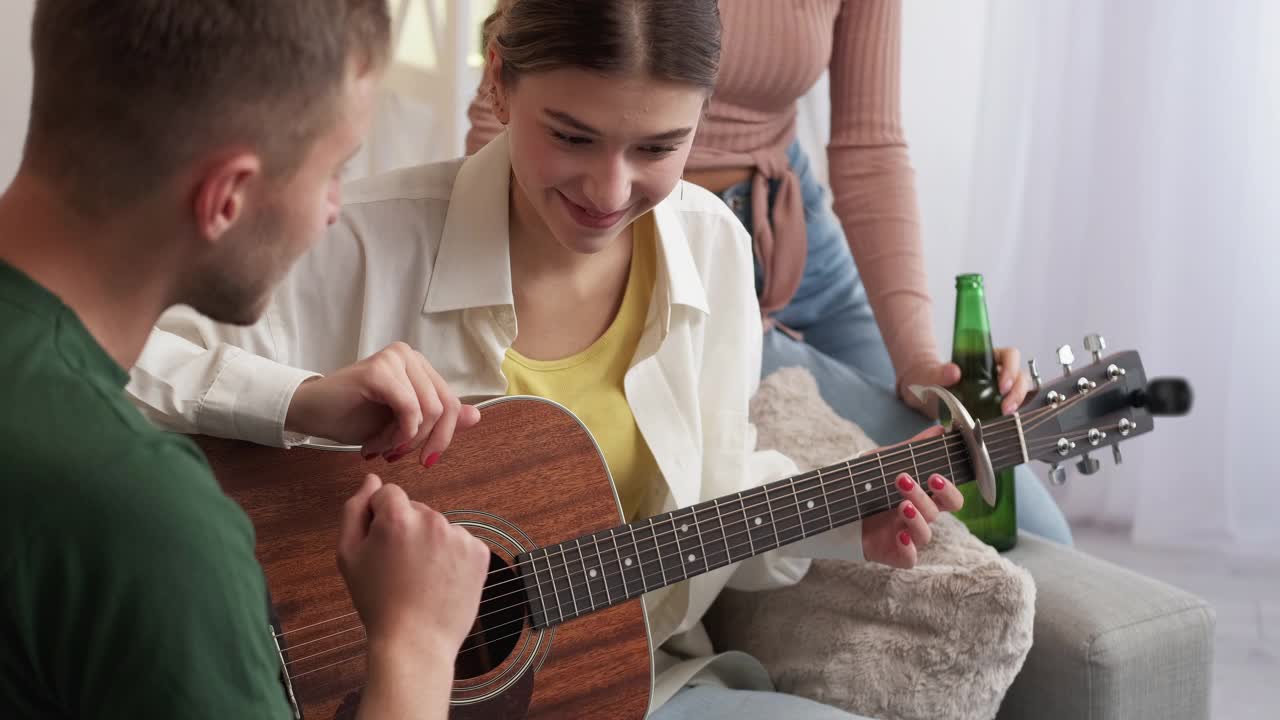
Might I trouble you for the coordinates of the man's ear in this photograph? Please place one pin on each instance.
(498, 89)
(221, 192)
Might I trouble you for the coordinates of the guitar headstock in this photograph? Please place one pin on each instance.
(1095, 406)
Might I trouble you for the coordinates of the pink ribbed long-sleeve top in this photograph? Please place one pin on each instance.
(772, 53)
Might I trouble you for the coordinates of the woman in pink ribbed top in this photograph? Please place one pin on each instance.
(822, 308)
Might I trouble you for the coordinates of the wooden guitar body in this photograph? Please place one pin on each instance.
(529, 475)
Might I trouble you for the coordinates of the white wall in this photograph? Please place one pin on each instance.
(942, 68)
(15, 82)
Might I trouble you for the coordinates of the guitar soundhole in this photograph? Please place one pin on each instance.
(499, 624)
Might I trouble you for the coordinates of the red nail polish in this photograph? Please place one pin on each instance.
(905, 484)
(393, 456)
(368, 455)
(432, 459)
(937, 483)
(904, 537)
(909, 511)
(402, 450)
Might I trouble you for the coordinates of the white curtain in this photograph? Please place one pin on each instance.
(1119, 176)
(1124, 181)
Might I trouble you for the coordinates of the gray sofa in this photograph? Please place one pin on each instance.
(1109, 643)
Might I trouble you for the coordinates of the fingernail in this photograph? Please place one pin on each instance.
(432, 459)
(369, 455)
(394, 456)
(937, 483)
(910, 511)
(905, 484)
(402, 450)
(904, 537)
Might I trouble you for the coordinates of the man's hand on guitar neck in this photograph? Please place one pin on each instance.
(389, 403)
(416, 580)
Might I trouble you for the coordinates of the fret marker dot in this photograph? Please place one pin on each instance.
(684, 528)
(867, 486)
(627, 562)
(810, 504)
(758, 521)
(592, 573)
(692, 557)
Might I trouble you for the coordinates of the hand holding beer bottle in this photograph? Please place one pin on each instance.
(986, 398)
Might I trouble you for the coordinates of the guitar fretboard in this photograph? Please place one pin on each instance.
(596, 571)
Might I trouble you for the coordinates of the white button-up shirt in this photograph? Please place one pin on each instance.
(422, 255)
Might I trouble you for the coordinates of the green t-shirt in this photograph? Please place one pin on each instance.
(128, 583)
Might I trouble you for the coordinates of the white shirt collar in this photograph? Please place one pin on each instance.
(473, 267)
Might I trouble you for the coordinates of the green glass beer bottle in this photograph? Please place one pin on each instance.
(978, 390)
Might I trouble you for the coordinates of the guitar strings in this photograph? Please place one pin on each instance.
(927, 446)
(999, 435)
(836, 477)
(1047, 445)
(522, 619)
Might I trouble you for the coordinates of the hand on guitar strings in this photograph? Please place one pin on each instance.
(390, 403)
(415, 579)
(1014, 384)
(893, 537)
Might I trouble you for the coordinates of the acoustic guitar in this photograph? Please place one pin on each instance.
(561, 630)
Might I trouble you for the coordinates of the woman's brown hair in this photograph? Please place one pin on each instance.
(675, 40)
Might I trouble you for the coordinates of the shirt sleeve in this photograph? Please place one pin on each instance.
(872, 181)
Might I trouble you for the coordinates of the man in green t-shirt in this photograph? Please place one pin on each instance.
(183, 152)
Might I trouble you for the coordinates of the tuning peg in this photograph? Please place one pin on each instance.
(1115, 454)
(1095, 344)
(1035, 373)
(1066, 357)
(1058, 475)
(1087, 465)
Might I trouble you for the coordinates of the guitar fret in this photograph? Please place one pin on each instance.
(799, 508)
(653, 533)
(675, 533)
(724, 534)
(604, 576)
(554, 591)
(914, 466)
(702, 548)
(773, 522)
(573, 596)
(622, 571)
(884, 477)
(826, 502)
(586, 575)
(853, 486)
(746, 523)
(635, 553)
(533, 584)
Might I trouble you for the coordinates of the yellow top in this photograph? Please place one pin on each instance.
(590, 383)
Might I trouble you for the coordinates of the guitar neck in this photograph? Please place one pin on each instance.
(593, 572)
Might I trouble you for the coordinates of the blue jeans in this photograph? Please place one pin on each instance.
(843, 348)
(709, 702)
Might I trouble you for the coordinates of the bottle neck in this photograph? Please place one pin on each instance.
(971, 347)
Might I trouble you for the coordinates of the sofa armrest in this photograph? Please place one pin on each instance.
(1109, 643)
